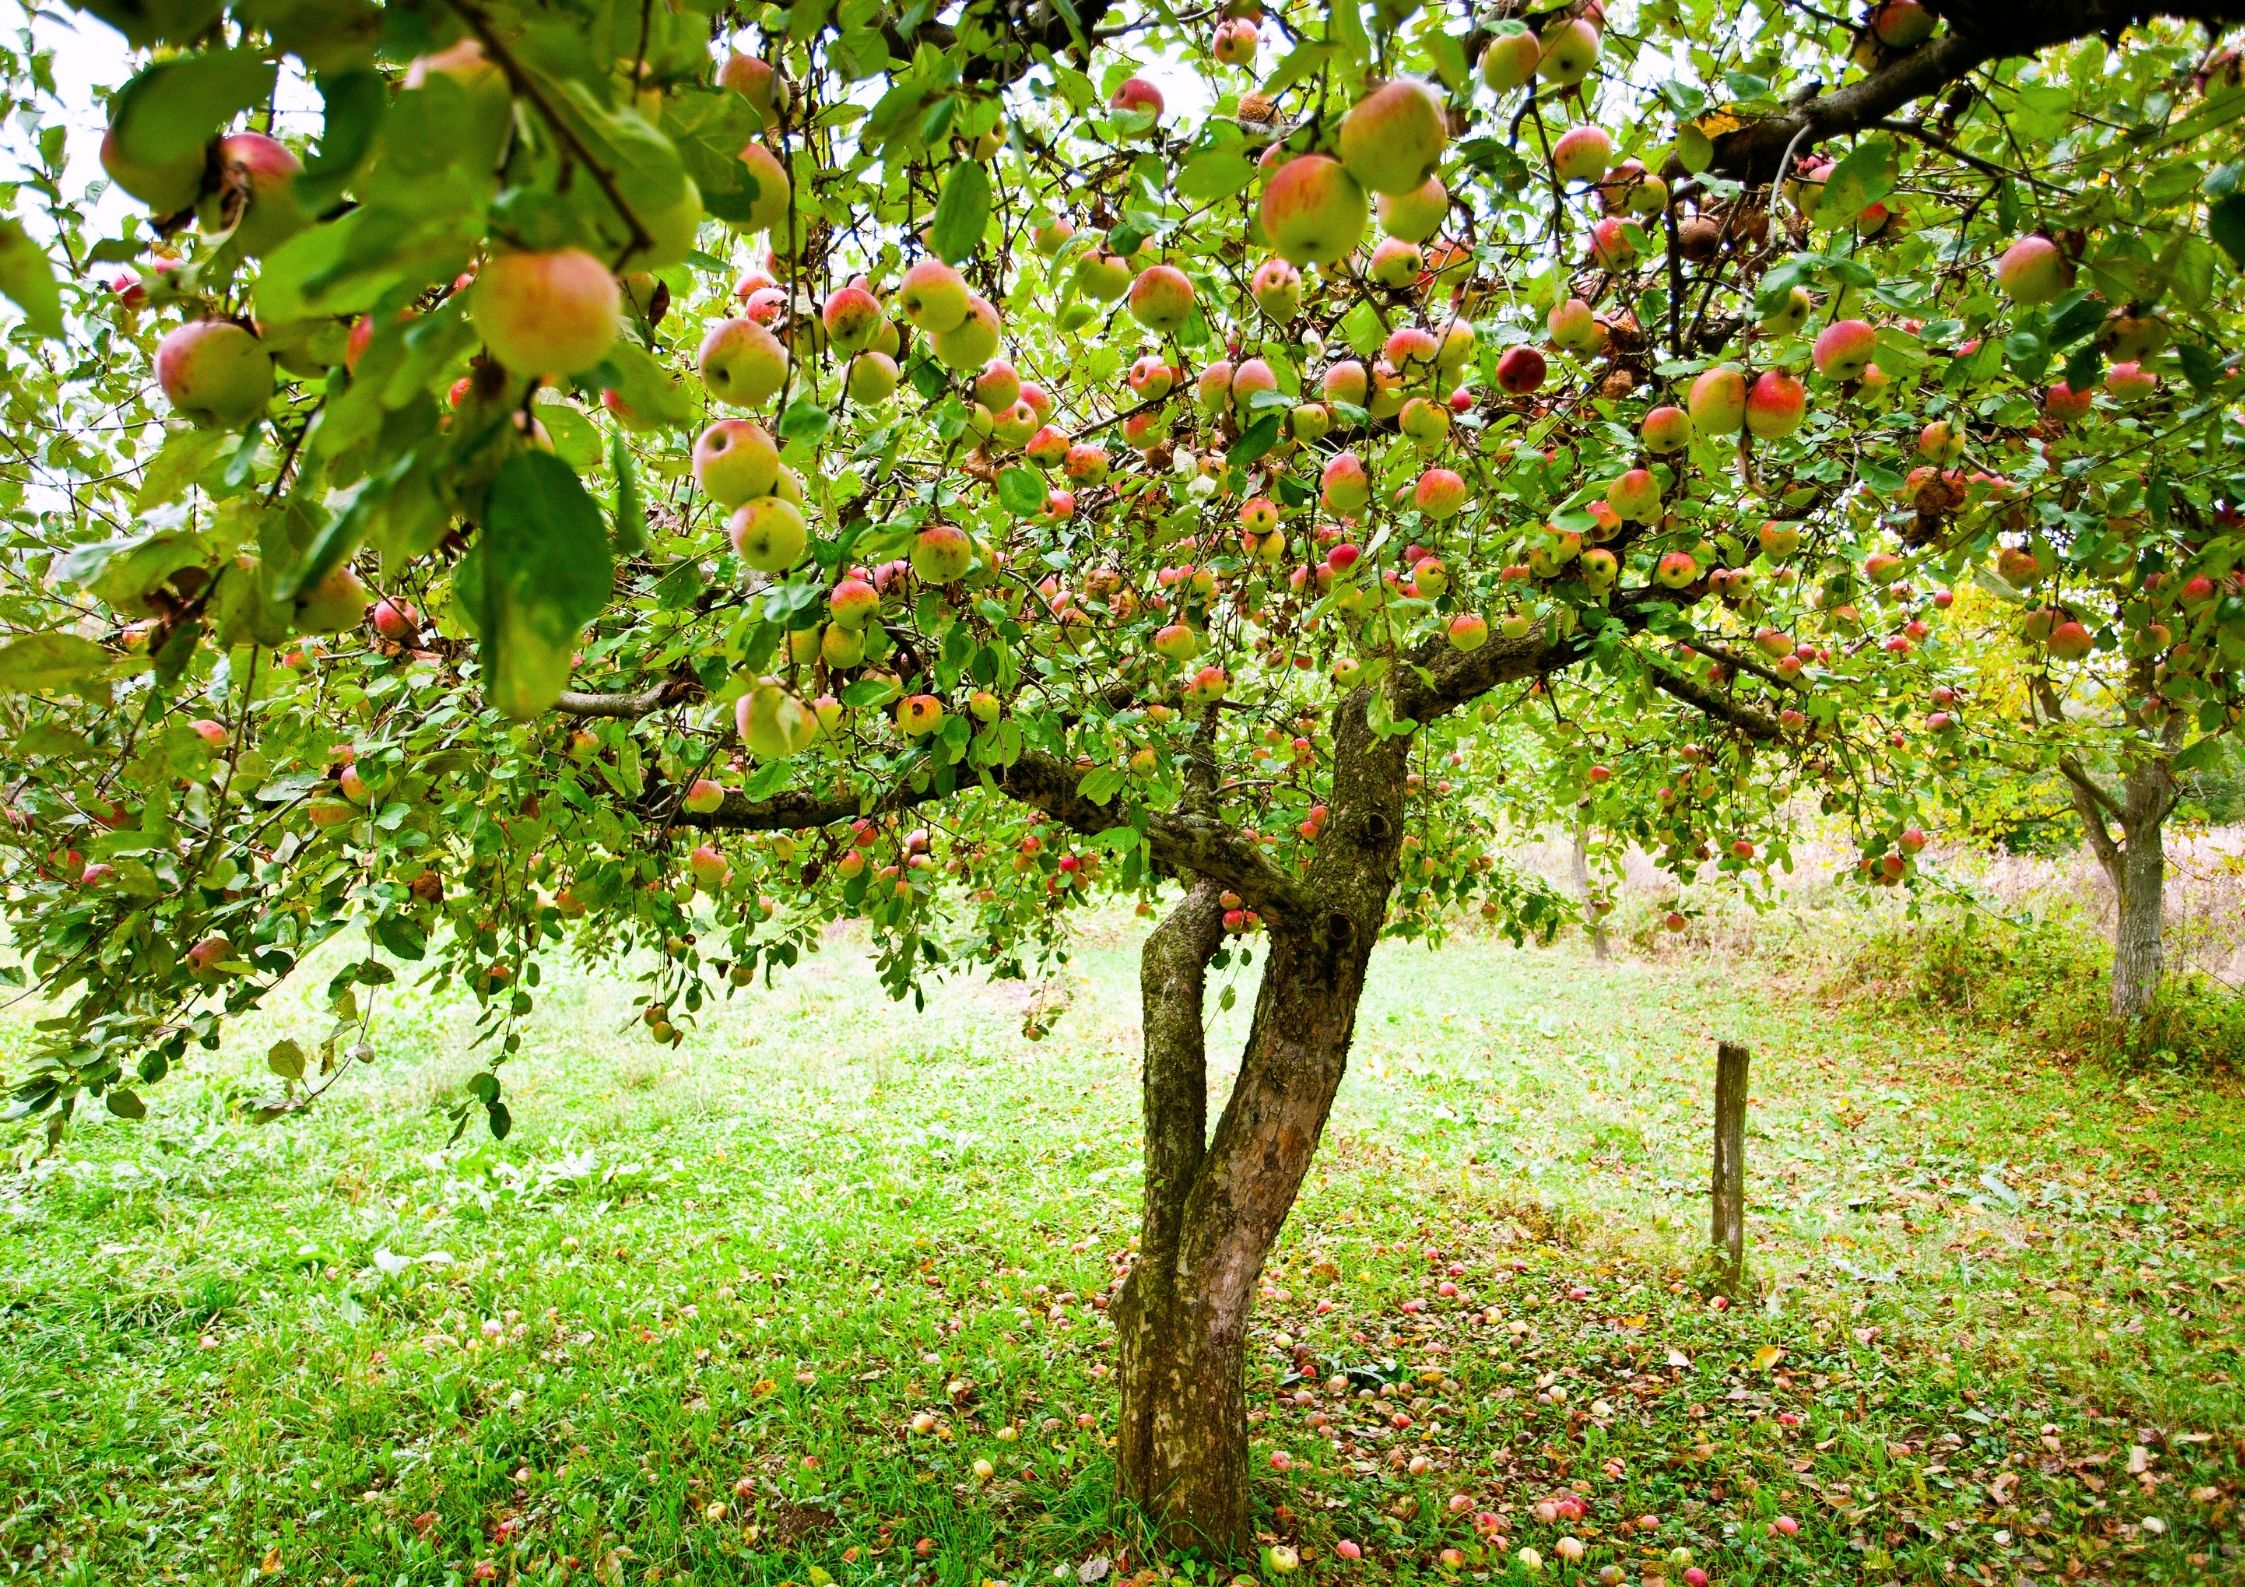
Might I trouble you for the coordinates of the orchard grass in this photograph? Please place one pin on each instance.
(1994, 1330)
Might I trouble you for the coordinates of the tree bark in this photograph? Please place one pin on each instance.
(1211, 1214)
(2128, 834)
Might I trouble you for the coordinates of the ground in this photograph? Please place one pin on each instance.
(759, 1308)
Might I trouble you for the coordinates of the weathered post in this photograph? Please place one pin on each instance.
(1730, 1160)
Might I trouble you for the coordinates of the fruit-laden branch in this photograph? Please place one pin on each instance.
(1978, 31)
(628, 706)
(1751, 720)
(1179, 841)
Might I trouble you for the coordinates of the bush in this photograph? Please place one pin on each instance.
(2045, 981)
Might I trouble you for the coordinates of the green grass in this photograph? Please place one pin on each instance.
(1997, 1318)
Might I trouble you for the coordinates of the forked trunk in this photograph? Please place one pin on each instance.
(1579, 863)
(1213, 1211)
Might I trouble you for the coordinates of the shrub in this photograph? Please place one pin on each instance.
(2045, 981)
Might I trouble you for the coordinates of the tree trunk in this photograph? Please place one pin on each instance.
(1580, 865)
(2138, 958)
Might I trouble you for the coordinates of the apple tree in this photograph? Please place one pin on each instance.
(659, 476)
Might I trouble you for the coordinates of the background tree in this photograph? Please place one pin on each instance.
(437, 535)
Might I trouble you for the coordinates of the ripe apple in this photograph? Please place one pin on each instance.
(1392, 139)
(773, 722)
(1582, 154)
(1235, 42)
(1509, 60)
(942, 554)
(1428, 576)
(1137, 96)
(336, 603)
(204, 958)
(769, 207)
(1344, 485)
(2070, 641)
(1776, 405)
(1611, 245)
(214, 373)
(758, 82)
(1843, 349)
(1901, 24)
(1676, 569)
(872, 378)
(1313, 211)
(1717, 402)
(553, 313)
(1666, 429)
(1103, 277)
(1791, 313)
(2064, 405)
(1575, 328)
(1395, 263)
(851, 316)
(1161, 299)
(742, 363)
(734, 460)
(934, 297)
(1440, 493)
(256, 194)
(974, 341)
(2032, 271)
(1277, 289)
(1635, 496)
(2130, 382)
(1567, 51)
(212, 733)
(1467, 631)
(769, 533)
(1520, 370)
(1415, 216)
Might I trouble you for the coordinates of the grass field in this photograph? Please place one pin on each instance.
(679, 1325)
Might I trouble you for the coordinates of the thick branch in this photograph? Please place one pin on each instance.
(1181, 842)
(628, 706)
(1977, 31)
(1751, 720)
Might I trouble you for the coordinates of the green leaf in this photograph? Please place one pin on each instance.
(55, 663)
(167, 113)
(286, 1059)
(1021, 491)
(631, 507)
(961, 212)
(1860, 180)
(125, 1104)
(28, 278)
(2225, 223)
(1214, 175)
(540, 572)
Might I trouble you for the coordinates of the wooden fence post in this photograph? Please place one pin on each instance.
(1730, 1160)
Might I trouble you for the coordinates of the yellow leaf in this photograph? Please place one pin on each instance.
(1766, 1357)
(1717, 122)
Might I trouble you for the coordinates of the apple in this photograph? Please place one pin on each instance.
(734, 460)
(2032, 271)
(1343, 484)
(742, 363)
(215, 374)
(769, 533)
(256, 194)
(553, 313)
(212, 733)
(1417, 215)
(851, 315)
(1310, 422)
(336, 603)
(1277, 290)
(1520, 370)
(1600, 567)
(769, 207)
(2130, 382)
(1392, 139)
(1843, 349)
(1509, 59)
(1791, 313)
(1611, 246)
(1901, 24)
(871, 378)
(942, 554)
(1882, 567)
(1717, 400)
(204, 958)
(1161, 299)
(1567, 51)
(1176, 642)
(757, 81)
(974, 341)
(1676, 569)
(2063, 405)
(1635, 496)
(934, 297)
(1467, 631)
(1395, 263)
(1313, 211)
(1440, 493)
(1137, 96)
(1666, 429)
(1575, 328)
(1103, 277)
(1235, 42)
(1428, 576)
(774, 723)
(1776, 405)
(1207, 686)
(1582, 154)
(166, 189)
(1941, 441)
